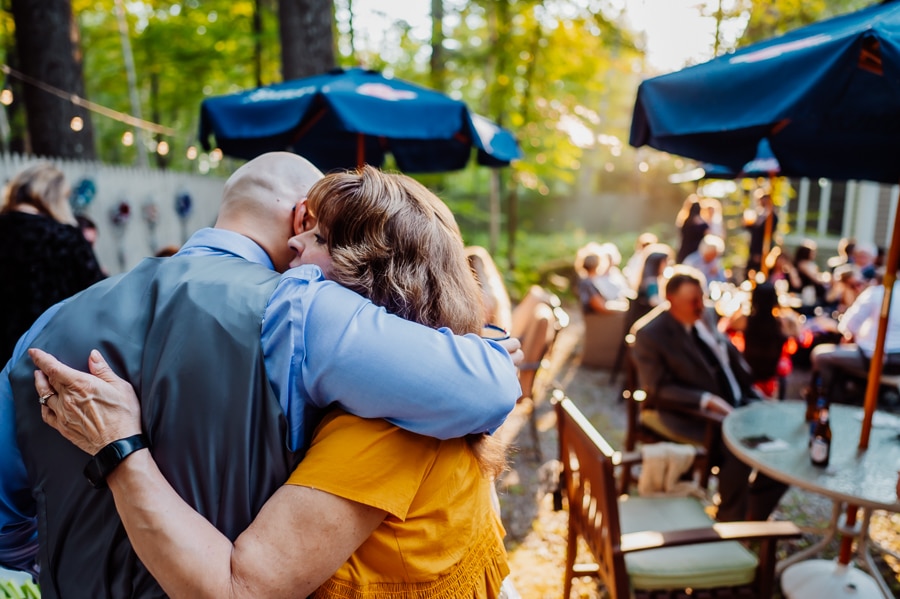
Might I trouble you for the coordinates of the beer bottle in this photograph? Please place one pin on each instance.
(814, 395)
(820, 444)
(821, 404)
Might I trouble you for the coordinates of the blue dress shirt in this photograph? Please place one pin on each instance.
(324, 345)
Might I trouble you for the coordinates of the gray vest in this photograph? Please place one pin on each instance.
(185, 331)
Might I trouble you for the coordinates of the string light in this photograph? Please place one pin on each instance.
(162, 148)
(77, 124)
(6, 96)
(128, 138)
(88, 105)
(191, 153)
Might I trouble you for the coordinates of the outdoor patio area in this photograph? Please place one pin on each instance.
(536, 534)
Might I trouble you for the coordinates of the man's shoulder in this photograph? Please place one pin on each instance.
(653, 323)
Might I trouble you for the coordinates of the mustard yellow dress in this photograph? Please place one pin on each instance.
(441, 538)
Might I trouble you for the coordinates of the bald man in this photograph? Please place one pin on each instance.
(258, 353)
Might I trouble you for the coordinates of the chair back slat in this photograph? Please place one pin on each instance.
(590, 488)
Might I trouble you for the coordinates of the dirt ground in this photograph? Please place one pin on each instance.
(536, 534)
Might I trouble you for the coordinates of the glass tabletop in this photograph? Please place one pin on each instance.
(864, 478)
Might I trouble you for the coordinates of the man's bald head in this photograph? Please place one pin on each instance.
(259, 200)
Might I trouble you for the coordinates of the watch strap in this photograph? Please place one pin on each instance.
(107, 459)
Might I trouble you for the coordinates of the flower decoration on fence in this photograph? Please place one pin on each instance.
(83, 194)
(151, 213)
(183, 204)
(120, 214)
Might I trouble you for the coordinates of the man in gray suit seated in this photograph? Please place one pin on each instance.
(685, 364)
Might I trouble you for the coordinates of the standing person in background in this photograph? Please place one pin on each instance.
(693, 230)
(44, 257)
(762, 224)
(635, 265)
(711, 212)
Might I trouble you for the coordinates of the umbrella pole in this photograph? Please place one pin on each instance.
(360, 150)
(877, 363)
(875, 367)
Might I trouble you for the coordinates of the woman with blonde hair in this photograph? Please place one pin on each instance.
(372, 510)
(44, 257)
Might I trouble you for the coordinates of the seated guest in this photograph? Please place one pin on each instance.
(593, 300)
(864, 254)
(844, 252)
(766, 337)
(708, 258)
(846, 285)
(612, 279)
(683, 360)
(497, 308)
(658, 257)
(860, 323)
(781, 268)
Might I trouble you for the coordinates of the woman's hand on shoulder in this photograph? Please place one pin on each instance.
(89, 409)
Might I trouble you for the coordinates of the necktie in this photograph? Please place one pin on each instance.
(713, 362)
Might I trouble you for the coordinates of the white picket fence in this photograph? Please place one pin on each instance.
(149, 194)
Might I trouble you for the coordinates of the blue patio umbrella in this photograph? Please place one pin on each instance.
(827, 97)
(346, 118)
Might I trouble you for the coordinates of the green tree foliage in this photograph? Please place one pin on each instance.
(769, 18)
(183, 52)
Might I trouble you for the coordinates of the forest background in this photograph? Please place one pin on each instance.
(561, 74)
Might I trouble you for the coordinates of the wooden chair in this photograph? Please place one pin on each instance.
(536, 322)
(653, 545)
(603, 335)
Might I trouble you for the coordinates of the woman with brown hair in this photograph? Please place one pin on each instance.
(373, 510)
(44, 257)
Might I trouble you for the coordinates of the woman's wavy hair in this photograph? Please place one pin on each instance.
(43, 187)
(394, 242)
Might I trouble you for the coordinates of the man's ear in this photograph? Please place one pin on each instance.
(299, 217)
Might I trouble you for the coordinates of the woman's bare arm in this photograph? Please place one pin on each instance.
(298, 540)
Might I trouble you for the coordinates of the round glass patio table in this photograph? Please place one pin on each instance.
(867, 479)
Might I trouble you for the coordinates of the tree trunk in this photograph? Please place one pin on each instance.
(307, 37)
(438, 69)
(257, 42)
(48, 45)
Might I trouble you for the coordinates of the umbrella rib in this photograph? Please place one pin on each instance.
(308, 125)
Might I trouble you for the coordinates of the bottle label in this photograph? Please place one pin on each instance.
(818, 451)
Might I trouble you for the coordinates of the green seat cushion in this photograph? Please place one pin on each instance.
(704, 566)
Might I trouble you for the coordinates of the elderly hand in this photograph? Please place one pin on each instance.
(90, 410)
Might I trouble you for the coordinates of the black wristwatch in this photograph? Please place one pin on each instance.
(106, 460)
